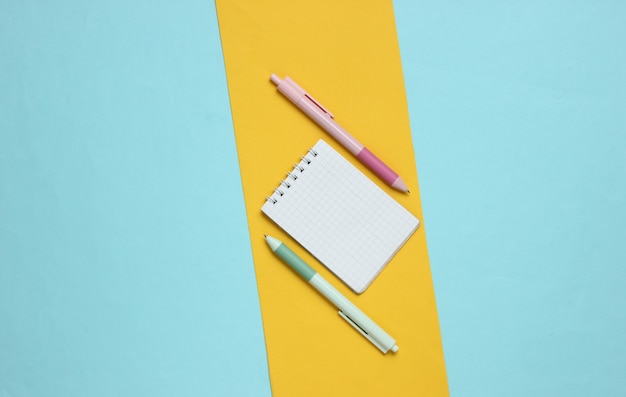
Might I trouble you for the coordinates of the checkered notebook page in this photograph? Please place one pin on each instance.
(340, 216)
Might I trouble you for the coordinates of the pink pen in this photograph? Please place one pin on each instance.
(325, 119)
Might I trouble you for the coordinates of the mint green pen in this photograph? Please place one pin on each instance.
(347, 310)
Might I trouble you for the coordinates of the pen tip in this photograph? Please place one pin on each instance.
(408, 191)
(275, 79)
(265, 235)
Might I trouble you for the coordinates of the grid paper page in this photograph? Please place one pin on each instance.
(340, 216)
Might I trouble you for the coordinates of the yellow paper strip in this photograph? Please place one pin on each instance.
(346, 55)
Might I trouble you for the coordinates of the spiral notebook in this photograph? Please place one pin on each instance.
(340, 216)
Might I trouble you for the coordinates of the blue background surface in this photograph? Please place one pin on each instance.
(122, 225)
(125, 263)
(518, 112)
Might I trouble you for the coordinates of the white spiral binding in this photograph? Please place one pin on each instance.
(292, 176)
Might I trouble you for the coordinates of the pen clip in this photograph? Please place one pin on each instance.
(356, 326)
(319, 105)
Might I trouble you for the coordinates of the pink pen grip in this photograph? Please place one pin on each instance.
(378, 167)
